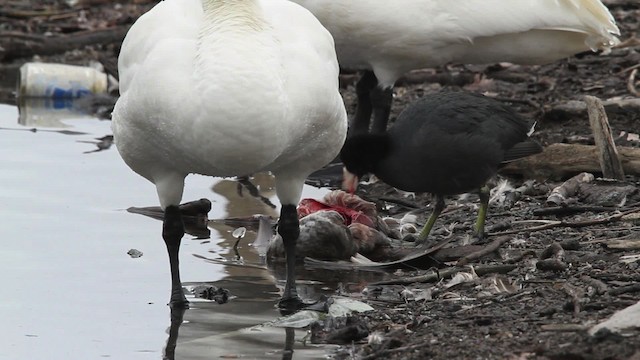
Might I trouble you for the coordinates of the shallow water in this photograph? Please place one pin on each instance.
(70, 291)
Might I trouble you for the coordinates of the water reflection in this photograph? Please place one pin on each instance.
(50, 113)
(177, 316)
(58, 114)
(102, 143)
(235, 329)
(245, 198)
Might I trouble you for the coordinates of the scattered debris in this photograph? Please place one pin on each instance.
(210, 292)
(134, 253)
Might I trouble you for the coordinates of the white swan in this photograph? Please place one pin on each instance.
(389, 38)
(228, 88)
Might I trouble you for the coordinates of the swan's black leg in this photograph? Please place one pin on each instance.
(381, 99)
(360, 122)
(172, 232)
(289, 229)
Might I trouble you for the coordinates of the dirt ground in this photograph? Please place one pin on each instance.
(560, 270)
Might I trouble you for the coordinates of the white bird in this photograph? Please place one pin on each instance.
(228, 88)
(389, 38)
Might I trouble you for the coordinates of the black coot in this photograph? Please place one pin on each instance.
(445, 144)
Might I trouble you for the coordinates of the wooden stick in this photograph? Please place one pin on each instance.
(492, 247)
(608, 154)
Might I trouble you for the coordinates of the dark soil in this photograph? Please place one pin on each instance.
(564, 277)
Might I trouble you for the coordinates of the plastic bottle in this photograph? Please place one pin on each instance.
(60, 81)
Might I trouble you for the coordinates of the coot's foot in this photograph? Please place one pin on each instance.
(480, 238)
(411, 238)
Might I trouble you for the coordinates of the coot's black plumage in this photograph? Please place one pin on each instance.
(445, 144)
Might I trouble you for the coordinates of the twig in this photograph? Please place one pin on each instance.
(492, 247)
(631, 83)
(577, 224)
(434, 276)
(636, 66)
(569, 210)
(386, 352)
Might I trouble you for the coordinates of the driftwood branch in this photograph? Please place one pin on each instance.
(574, 108)
(561, 161)
(17, 45)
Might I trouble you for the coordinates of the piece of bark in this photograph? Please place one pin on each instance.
(623, 244)
(561, 161)
(608, 154)
(569, 188)
(606, 193)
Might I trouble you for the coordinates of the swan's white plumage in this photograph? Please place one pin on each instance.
(227, 88)
(393, 37)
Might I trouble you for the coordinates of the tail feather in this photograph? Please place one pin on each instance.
(521, 150)
(600, 24)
